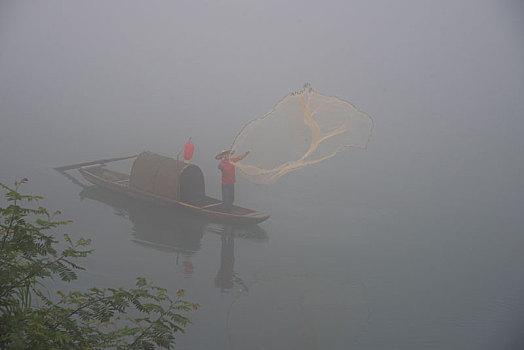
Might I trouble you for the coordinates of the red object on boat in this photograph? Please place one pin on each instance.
(188, 150)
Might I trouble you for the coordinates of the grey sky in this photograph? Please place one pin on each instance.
(442, 77)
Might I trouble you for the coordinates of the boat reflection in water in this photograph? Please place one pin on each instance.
(169, 230)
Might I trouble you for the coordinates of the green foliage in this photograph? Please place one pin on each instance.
(144, 317)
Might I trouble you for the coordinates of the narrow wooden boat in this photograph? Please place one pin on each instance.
(168, 182)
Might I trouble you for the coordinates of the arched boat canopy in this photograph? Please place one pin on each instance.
(167, 177)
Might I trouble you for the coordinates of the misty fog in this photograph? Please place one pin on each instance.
(415, 242)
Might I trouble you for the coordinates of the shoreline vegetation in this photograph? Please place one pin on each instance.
(143, 317)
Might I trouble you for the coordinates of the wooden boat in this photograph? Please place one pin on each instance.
(168, 182)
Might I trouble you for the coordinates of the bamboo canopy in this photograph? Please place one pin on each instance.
(167, 177)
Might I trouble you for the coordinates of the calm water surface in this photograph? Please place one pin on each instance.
(349, 258)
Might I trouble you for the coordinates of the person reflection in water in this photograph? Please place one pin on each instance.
(224, 278)
(227, 166)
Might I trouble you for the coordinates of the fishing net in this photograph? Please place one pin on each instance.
(303, 129)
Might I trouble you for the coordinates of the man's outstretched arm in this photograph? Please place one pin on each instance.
(240, 157)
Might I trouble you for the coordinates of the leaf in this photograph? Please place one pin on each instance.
(141, 282)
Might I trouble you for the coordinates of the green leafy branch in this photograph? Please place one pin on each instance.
(144, 317)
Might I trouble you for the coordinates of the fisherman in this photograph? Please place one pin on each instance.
(227, 166)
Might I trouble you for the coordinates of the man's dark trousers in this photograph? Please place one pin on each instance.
(228, 196)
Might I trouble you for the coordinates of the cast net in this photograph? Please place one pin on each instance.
(303, 129)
